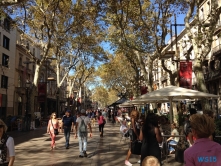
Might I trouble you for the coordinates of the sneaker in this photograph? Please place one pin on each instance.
(127, 163)
(138, 161)
(85, 154)
(81, 156)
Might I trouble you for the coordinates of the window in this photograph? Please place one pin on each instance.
(27, 46)
(27, 63)
(6, 42)
(19, 81)
(7, 24)
(4, 82)
(33, 51)
(5, 60)
(20, 61)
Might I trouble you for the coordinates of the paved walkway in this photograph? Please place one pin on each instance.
(33, 149)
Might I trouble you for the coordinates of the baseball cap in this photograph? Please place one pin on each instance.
(68, 111)
(83, 111)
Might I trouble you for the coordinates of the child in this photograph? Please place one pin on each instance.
(150, 161)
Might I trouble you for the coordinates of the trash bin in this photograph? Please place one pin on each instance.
(179, 155)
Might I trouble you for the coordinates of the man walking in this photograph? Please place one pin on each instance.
(67, 122)
(81, 131)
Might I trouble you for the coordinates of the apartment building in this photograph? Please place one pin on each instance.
(7, 63)
(175, 60)
(26, 49)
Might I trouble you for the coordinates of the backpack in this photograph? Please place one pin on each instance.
(82, 128)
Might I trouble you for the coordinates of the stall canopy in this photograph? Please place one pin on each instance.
(172, 93)
(120, 101)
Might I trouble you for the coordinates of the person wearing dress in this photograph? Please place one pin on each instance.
(7, 147)
(150, 136)
(52, 124)
(134, 115)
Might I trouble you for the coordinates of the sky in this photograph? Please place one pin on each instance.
(180, 20)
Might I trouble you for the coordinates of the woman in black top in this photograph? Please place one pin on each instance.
(151, 137)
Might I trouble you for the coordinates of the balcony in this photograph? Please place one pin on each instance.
(20, 90)
(216, 50)
(20, 67)
(164, 77)
(218, 28)
(204, 15)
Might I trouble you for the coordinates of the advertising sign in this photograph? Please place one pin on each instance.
(185, 74)
(42, 91)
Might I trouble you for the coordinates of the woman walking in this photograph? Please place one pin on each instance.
(135, 125)
(7, 155)
(52, 124)
(101, 120)
(150, 136)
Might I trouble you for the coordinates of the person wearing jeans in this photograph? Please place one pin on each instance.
(67, 122)
(173, 140)
(82, 139)
(100, 120)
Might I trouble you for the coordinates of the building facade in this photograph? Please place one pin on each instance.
(7, 63)
(175, 59)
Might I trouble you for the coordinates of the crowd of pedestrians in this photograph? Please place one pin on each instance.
(81, 124)
(146, 135)
(198, 130)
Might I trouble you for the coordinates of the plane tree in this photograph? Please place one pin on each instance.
(142, 26)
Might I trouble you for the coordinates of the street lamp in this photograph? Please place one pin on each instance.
(27, 118)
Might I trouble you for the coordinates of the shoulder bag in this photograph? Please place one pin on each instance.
(104, 121)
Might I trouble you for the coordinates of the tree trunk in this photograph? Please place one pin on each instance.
(201, 86)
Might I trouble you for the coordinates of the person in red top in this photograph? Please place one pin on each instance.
(100, 120)
(52, 124)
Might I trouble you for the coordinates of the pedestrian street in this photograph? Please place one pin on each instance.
(33, 149)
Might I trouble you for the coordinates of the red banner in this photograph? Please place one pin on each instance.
(185, 74)
(42, 91)
(143, 90)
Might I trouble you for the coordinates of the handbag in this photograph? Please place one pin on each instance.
(104, 121)
(136, 147)
(55, 130)
(132, 135)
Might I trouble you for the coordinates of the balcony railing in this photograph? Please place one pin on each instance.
(20, 90)
(218, 28)
(204, 15)
(216, 49)
(164, 77)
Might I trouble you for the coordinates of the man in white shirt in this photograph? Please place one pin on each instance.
(83, 139)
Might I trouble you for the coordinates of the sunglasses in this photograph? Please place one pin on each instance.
(1, 126)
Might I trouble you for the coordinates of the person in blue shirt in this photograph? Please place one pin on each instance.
(67, 123)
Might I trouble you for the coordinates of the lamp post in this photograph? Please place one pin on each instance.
(27, 118)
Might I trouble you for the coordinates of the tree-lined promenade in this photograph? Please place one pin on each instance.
(120, 45)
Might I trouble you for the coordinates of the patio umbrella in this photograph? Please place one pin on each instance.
(172, 93)
(126, 104)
